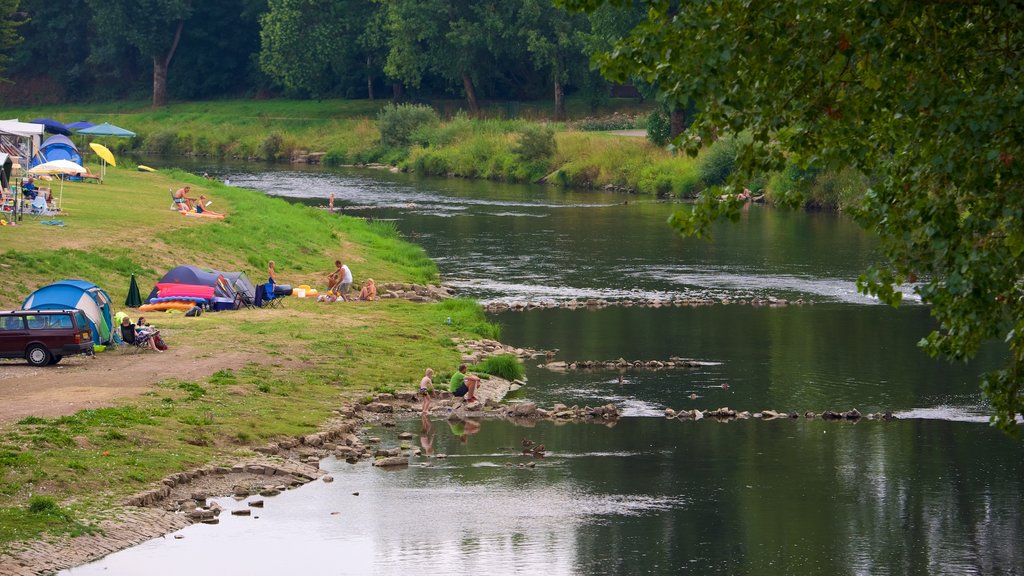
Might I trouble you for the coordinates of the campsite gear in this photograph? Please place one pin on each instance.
(52, 126)
(57, 147)
(194, 311)
(197, 277)
(134, 299)
(58, 167)
(105, 154)
(106, 129)
(167, 305)
(80, 294)
(142, 168)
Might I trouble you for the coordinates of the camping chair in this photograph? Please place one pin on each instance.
(39, 207)
(242, 299)
(267, 298)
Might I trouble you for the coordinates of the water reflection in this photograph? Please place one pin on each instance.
(650, 496)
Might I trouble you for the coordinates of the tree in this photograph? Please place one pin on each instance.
(554, 39)
(10, 19)
(154, 27)
(924, 97)
(322, 46)
(450, 38)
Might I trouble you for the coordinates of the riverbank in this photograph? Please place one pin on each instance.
(94, 431)
(589, 151)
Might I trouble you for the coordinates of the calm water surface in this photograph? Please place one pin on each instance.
(937, 493)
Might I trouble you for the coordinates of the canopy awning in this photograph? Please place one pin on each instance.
(16, 128)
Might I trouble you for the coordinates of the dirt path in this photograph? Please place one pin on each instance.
(83, 382)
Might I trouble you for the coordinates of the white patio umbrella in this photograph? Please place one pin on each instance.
(58, 168)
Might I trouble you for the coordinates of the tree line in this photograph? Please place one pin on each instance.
(404, 49)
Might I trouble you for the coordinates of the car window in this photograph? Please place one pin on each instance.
(12, 323)
(80, 319)
(36, 322)
(60, 321)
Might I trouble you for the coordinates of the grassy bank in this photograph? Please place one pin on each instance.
(301, 361)
(513, 144)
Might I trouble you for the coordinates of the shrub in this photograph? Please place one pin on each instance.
(718, 162)
(505, 366)
(42, 505)
(397, 123)
(271, 146)
(161, 143)
(536, 143)
(659, 128)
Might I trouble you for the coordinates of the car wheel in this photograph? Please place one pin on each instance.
(56, 358)
(38, 355)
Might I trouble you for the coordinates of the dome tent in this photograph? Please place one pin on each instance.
(85, 296)
(57, 147)
(196, 277)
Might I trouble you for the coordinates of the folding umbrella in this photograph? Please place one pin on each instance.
(104, 153)
(134, 299)
(52, 126)
(58, 168)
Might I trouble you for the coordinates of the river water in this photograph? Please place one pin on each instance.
(936, 492)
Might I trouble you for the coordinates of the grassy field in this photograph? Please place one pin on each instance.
(59, 474)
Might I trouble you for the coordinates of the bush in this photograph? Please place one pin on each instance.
(536, 144)
(505, 366)
(42, 505)
(718, 162)
(659, 128)
(397, 123)
(271, 146)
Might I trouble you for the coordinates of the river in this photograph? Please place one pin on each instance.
(936, 492)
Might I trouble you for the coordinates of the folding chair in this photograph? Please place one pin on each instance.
(267, 298)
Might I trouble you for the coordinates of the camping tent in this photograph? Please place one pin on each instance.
(85, 296)
(239, 282)
(197, 277)
(57, 147)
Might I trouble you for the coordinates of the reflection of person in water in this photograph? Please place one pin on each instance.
(462, 429)
(426, 436)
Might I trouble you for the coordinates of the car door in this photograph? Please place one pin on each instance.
(13, 336)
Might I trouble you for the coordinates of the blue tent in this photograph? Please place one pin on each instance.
(57, 147)
(85, 296)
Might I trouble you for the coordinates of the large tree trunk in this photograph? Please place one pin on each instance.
(160, 66)
(678, 121)
(369, 79)
(159, 82)
(467, 84)
(396, 91)
(559, 101)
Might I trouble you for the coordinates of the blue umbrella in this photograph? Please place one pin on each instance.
(52, 126)
(79, 125)
(107, 130)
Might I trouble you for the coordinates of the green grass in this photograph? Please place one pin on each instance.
(305, 359)
(504, 366)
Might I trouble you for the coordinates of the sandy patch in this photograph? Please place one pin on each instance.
(83, 382)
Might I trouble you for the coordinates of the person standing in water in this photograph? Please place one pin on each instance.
(427, 389)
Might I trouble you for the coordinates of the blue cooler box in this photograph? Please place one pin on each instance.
(220, 304)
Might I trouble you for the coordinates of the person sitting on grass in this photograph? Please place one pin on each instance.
(182, 199)
(369, 291)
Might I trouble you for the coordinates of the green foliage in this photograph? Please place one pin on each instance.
(659, 127)
(718, 162)
(536, 144)
(505, 366)
(271, 147)
(398, 122)
(920, 96)
(42, 505)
